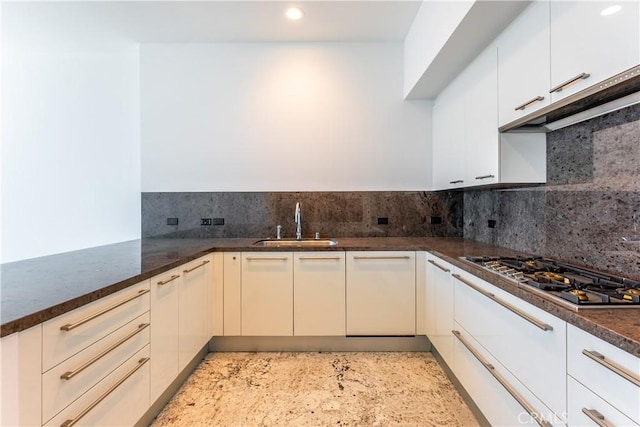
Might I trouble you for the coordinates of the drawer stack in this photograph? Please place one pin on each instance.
(95, 368)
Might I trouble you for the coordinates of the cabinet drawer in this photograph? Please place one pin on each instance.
(70, 379)
(120, 399)
(501, 397)
(585, 405)
(529, 342)
(72, 332)
(601, 368)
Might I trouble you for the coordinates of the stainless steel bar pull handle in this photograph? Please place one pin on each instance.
(446, 270)
(170, 279)
(492, 370)
(383, 257)
(506, 305)
(599, 358)
(485, 176)
(81, 322)
(205, 262)
(71, 374)
(335, 258)
(568, 82)
(264, 258)
(596, 417)
(73, 421)
(457, 181)
(528, 103)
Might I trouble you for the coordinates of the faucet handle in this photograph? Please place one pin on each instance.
(278, 232)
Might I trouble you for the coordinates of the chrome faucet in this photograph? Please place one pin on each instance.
(298, 219)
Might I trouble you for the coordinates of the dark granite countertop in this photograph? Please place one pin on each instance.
(39, 289)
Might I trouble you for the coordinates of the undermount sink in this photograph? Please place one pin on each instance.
(295, 242)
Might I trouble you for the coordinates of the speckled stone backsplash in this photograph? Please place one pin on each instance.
(333, 214)
(589, 211)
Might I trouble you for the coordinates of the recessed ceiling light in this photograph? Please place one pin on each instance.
(294, 13)
(610, 10)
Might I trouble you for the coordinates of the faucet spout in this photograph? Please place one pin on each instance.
(298, 219)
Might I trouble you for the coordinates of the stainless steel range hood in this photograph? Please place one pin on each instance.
(619, 91)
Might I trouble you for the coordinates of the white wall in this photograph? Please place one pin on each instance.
(70, 151)
(280, 117)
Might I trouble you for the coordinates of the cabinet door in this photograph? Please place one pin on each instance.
(165, 307)
(319, 293)
(585, 41)
(481, 140)
(448, 138)
(524, 64)
(267, 294)
(381, 293)
(232, 294)
(441, 321)
(196, 277)
(585, 408)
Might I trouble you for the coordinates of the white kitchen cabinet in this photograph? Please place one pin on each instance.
(232, 325)
(421, 293)
(584, 42)
(66, 335)
(517, 334)
(267, 294)
(120, 399)
(468, 150)
(607, 371)
(165, 331)
(585, 408)
(524, 64)
(500, 396)
(449, 137)
(439, 310)
(193, 311)
(21, 385)
(319, 293)
(381, 293)
(67, 381)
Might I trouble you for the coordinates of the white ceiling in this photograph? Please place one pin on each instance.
(204, 21)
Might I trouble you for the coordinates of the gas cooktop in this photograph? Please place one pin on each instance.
(572, 286)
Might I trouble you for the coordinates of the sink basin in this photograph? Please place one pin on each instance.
(295, 243)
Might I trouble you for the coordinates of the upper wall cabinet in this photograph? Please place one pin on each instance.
(590, 42)
(468, 151)
(524, 64)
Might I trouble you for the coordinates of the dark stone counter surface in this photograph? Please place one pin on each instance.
(39, 289)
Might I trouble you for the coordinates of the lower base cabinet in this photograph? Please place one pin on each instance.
(588, 409)
(120, 399)
(267, 294)
(381, 293)
(501, 398)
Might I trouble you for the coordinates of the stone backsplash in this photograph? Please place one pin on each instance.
(589, 211)
(333, 214)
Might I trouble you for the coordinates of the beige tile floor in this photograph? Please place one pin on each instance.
(317, 389)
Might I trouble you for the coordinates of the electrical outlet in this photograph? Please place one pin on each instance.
(435, 220)
(218, 221)
(491, 223)
(205, 221)
(383, 221)
(172, 221)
